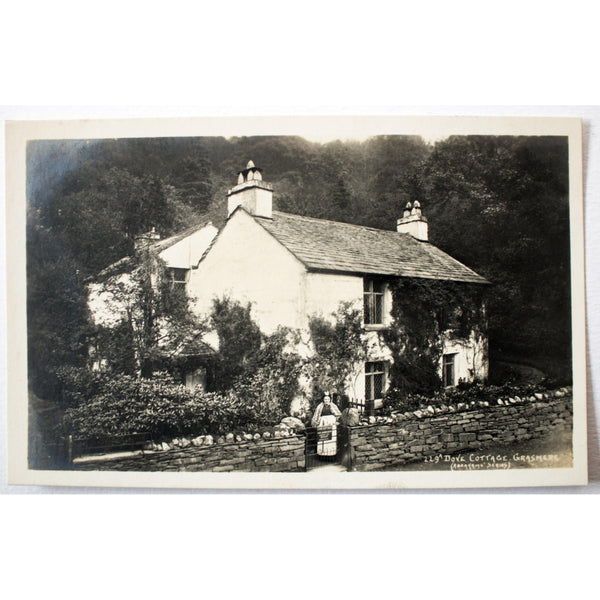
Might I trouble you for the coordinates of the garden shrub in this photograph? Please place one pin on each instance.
(239, 339)
(263, 369)
(339, 348)
(271, 377)
(119, 405)
(397, 399)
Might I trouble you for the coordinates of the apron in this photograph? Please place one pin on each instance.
(327, 436)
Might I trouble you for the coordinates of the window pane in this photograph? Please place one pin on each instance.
(374, 380)
(367, 308)
(378, 317)
(373, 301)
(179, 275)
(377, 386)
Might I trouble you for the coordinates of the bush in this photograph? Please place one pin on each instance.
(339, 347)
(397, 399)
(271, 377)
(263, 369)
(119, 405)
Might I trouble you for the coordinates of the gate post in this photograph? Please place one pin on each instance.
(345, 438)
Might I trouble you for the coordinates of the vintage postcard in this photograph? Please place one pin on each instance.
(296, 302)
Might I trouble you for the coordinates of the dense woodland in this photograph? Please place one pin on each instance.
(498, 204)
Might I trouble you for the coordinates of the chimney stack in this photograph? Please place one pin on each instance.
(414, 222)
(252, 193)
(143, 241)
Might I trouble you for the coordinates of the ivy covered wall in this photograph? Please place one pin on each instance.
(430, 317)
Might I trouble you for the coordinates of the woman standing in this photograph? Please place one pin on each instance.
(325, 422)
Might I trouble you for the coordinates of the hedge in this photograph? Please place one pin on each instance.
(103, 406)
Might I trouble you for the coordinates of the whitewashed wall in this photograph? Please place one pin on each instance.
(325, 291)
(106, 309)
(188, 251)
(471, 360)
(247, 264)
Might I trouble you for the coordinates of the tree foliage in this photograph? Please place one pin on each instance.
(57, 312)
(263, 368)
(240, 339)
(424, 313)
(339, 349)
(155, 320)
(501, 205)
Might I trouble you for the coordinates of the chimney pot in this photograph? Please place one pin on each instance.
(413, 222)
(251, 192)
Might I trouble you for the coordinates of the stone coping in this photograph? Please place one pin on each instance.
(446, 409)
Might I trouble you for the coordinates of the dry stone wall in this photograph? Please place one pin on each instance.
(413, 436)
(376, 444)
(281, 454)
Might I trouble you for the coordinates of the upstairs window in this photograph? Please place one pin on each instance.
(373, 301)
(178, 279)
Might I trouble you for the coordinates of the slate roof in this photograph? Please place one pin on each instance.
(125, 264)
(332, 246)
(161, 245)
(196, 348)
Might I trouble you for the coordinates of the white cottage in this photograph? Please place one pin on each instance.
(291, 267)
(180, 254)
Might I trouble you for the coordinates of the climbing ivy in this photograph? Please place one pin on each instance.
(339, 348)
(424, 311)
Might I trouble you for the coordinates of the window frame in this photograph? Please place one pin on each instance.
(449, 360)
(372, 301)
(178, 283)
(370, 377)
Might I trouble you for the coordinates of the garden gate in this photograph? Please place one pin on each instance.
(326, 436)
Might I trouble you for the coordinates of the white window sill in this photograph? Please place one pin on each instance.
(376, 327)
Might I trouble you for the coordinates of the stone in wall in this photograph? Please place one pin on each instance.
(469, 426)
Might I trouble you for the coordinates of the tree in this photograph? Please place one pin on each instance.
(239, 339)
(154, 321)
(57, 312)
(262, 369)
(501, 205)
(339, 349)
(195, 182)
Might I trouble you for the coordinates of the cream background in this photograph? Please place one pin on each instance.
(342, 126)
(529, 55)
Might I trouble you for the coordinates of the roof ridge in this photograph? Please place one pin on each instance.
(362, 249)
(185, 232)
(281, 212)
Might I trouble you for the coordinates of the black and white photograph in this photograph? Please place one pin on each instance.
(289, 303)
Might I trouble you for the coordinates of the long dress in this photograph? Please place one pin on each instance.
(325, 416)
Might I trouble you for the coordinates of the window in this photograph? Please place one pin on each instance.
(196, 378)
(448, 374)
(374, 381)
(373, 301)
(178, 278)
